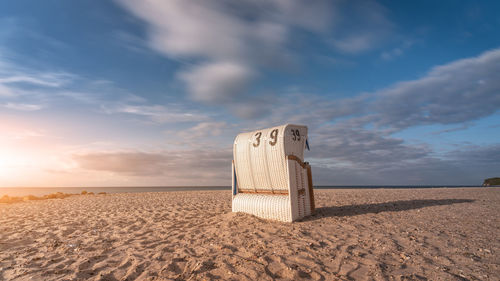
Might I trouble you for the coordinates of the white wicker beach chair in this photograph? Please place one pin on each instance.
(270, 179)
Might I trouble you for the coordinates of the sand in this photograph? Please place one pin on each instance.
(379, 234)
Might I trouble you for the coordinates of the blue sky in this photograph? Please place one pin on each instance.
(107, 93)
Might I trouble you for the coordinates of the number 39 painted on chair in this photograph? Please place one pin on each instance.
(274, 137)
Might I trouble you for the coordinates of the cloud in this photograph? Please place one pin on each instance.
(460, 91)
(229, 42)
(369, 160)
(397, 51)
(389, 55)
(22, 134)
(133, 163)
(346, 154)
(31, 90)
(16, 82)
(464, 90)
(132, 42)
(355, 43)
(217, 82)
(467, 166)
(6, 91)
(344, 145)
(174, 166)
(225, 29)
(204, 130)
(351, 138)
(230, 38)
(43, 79)
(363, 26)
(355, 145)
(463, 126)
(300, 108)
(157, 113)
(483, 157)
(23, 106)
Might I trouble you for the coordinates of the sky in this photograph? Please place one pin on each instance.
(153, 93)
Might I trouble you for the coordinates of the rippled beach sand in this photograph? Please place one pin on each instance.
(378, 234)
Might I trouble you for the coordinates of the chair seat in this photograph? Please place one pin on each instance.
(275, 207)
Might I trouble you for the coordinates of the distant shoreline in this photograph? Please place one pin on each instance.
(41, 191)
(217, 187)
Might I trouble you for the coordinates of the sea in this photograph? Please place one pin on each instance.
(40, 191)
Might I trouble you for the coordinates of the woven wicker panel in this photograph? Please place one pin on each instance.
(275, 207)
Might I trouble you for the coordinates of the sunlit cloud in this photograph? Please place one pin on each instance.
(218, 82)
(17, 81)
(172, 166)
(22, 106)
(44, 79)
(157, 113)
(231, 43)
(205, 129)
(460, 91)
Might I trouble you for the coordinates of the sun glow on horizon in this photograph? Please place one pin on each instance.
(25, 155)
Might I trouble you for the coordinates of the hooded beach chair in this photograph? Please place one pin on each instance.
(270, 178)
